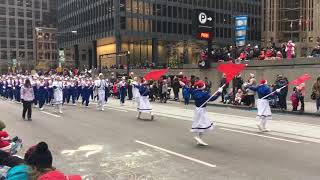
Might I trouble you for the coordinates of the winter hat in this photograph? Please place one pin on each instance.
(2, 125)
(262, 81)
(40, 157)
(200, 85)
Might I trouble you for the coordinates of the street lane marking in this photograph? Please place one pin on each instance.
(176, 154)
(54, 115)
(259, 135)
(115, 109)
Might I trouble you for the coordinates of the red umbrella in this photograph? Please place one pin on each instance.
(155, 75)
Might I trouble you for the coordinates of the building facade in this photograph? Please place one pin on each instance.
(46, 48)
(18, 19)
(297, 20)
(158, 32)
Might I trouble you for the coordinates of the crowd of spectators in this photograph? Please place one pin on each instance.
(248, 52)
(36, 164)
(236, 93)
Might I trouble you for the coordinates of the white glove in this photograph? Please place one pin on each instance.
(278, 90)
(220, 90)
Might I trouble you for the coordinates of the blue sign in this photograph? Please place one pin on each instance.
(241, 26)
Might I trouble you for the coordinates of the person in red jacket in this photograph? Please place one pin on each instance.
(4, 139)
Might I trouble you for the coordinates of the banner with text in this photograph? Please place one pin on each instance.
(241, 26)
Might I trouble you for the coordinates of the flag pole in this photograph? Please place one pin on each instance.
(274, 92)
(211, 96)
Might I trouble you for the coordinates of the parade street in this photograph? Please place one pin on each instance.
(113, 144)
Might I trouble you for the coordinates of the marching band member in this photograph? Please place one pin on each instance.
(72, 92)
(144, 103)
(264, 111)
(135, 91)
(65, 90)
(10, 87)
(86, 92)
(122, 90)
(100, 85)
(57, 93)
(41, 93)
(201, 122)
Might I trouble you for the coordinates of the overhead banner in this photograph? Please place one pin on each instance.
(241, 27)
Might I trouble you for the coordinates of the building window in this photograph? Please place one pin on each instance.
(44, 5)
(21, 33)
(12, 11)
(30, 45)
(11, 2)
(3, 11)
(21, 44)
(19, 2)
(12, 44)
(20, 13)
(29, 3)
(37, 4)
(3, 43)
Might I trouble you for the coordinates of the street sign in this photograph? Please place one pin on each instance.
(203, 25)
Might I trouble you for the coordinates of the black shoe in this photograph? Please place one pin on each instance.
(29, 119)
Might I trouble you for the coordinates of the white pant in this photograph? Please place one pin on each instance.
(102, 96)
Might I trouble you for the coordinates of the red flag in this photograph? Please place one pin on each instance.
(230, 70)
(301, 79)
(155, 75)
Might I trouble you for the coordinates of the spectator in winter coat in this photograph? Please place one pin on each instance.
(250, 93)
(238, 97)
(176, 87)
(237, 83)
(17, 168)
(282, 95)
(294, 99)
(279, 55)
(316, 93)
(316, 52)
(4, 139)
(186, 94)
(224, 91)
(27, 97)
(301, 91)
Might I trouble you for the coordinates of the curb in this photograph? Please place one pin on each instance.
(276, 111)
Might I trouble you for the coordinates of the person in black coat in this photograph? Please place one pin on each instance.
(176, 88)
(282, 95)
(224, 91)
(237, 84)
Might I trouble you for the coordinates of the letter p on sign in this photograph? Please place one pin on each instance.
(202, 18)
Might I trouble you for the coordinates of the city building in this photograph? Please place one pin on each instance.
(157, 32)
(46, 48)
(18, 19)
(297, 20)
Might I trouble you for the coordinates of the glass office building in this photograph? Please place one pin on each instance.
(18, 19)
(154, 31)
